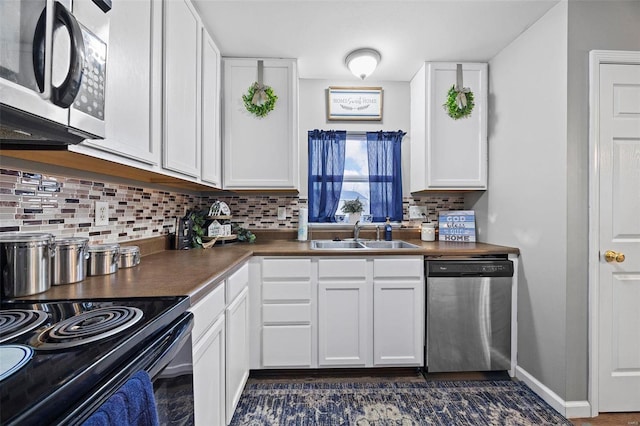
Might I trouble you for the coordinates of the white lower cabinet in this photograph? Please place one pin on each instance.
(326, 312)
(209, 376)
(221, 349)
(237, 350)
(398, 311)
(397, 336)
(287, 308)
(343, 323)
(286, 346)
(208, 336)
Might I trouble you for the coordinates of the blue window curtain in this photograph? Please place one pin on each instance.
(326, 170)
(385, 174)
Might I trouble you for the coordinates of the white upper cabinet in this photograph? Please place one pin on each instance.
(210, 120)
(448, 154)
(260, 153)
(181, 139)
(133, 81)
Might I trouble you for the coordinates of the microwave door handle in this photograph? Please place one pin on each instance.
(66, 93)
(42, 42)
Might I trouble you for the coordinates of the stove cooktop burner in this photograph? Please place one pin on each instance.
(87, 327)
(15, 322)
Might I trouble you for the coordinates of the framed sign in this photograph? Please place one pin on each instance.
(457, 226)
(354, 103)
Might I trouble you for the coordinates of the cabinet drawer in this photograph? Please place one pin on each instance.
(236, 282)
(342, 268)
(275, 291)
(398, 268)
(291, 313)
(207, 311)
(286, 268)
(286, 346)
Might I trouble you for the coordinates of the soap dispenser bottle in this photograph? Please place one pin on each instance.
(387, 230)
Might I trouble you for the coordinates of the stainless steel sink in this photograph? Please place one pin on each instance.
(397, 244)
(335, 245)
(349, 245)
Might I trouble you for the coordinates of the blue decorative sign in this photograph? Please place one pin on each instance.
(457, 226)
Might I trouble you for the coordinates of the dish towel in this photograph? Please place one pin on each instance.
(132, 405)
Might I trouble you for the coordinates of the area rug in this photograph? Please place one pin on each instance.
(328, 403)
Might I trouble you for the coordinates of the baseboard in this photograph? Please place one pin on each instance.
(569, 409)
(577, 409)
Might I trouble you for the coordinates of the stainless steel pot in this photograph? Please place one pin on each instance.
(26, 263)
(70, 263)
(129, 256)
(103, 259)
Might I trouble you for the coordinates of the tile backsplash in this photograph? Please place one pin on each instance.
(64, 206)
(261, 211)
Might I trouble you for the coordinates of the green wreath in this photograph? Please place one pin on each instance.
(259, 100)
(455, 106)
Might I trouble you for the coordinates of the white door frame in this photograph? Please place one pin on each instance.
(597, 57)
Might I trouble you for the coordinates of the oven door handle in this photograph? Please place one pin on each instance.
(178, 337)
(157, 355)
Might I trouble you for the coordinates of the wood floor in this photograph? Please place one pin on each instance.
(610, 419)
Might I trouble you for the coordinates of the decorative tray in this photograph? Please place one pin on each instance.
(225, 238)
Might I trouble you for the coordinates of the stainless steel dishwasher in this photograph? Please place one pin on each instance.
(468, 314)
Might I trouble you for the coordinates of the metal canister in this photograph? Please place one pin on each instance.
(103, 259)
(129, 256)
(70, 264)
(26, 263)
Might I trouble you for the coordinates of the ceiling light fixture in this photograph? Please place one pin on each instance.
(362, 62)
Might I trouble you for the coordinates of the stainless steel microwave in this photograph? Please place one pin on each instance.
(53, 62)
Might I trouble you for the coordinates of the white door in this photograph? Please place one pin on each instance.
(619, 275)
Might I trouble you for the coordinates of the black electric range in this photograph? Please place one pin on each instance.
(78, 352)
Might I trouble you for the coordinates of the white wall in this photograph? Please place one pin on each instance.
(553, 299)
(595, 24)
(525, 205)
(313, 115)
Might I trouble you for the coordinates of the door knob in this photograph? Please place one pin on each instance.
(611, 255)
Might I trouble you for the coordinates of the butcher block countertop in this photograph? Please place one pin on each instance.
(196, 272)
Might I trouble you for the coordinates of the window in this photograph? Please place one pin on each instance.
(355, 165)
(355, 181)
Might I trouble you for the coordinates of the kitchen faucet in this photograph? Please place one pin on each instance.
(356, 231)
